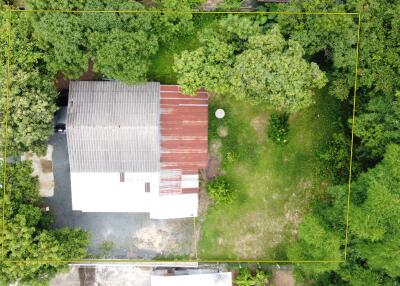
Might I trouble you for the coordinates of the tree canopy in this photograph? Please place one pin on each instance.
(238, 59)
(31, 98)
(28, 234)
(119, 44)
(379, 125)
(335, 38)
(373, 231)
(374, 211)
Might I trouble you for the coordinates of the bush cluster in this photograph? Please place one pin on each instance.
(278, 129)
(220, 190)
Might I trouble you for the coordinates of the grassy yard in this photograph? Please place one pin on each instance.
(273, 184)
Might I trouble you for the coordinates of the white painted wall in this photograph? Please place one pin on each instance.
(174, 206)
(212, 279)
(103, 192)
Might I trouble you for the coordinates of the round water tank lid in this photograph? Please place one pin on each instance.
(220, 113)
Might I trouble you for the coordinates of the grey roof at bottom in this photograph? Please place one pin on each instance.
(113, 127)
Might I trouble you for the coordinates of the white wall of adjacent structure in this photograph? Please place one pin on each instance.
(104, 192)
(212, 279)
(174, 206)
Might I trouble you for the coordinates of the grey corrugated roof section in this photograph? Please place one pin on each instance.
(113, 127)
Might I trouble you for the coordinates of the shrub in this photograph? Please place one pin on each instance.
(335, 156)
(278, 129)
(245, 278)
(106, 248)
(220, 190)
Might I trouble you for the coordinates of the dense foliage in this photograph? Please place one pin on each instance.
(220, 190)
(374, 212)
(245, 278)
(119, 44)
(379, 125)
(335, 38)
(336, 156)
(373, 231)
(238, 59)
(278, 128)
(43, 44)
(27, 233)
(31, 90)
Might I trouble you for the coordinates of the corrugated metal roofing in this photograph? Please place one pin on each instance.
(111, 103)
(184, 135)
(113, 127)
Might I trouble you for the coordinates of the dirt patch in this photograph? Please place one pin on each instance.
(222, 131)
(214, 160)
(46, 165)
(293, 117)
(210, 5)
(62, 83)
(43, 168)
(258, 227)
(171, 238)
(295, 214)
(149, 3)
(260, 124)
(204, 198)
(283, 278)
(104, 275)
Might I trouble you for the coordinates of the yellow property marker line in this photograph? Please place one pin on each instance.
(185, 12)
(149, 261)
(10, 11)
(6, 133)
(352, 139)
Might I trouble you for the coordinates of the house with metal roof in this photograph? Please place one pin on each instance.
(136, 148)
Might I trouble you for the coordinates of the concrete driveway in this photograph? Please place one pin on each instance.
(133, 235)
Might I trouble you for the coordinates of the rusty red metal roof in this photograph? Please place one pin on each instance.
(184, 135)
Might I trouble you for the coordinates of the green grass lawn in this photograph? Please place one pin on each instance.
(161, 68)
(273, 184)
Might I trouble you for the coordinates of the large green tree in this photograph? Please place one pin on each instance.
(209, 66)
(44, 43)
(28, 235)
(238, 59)
(374, 229)
(379, 125)
(119, 43)
(273, 70)
(29, 88)
(332, 38)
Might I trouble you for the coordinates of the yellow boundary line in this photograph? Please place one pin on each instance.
(149, 261)
(352, 139)
(184, 12)
(6, 133)
(10, 11)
